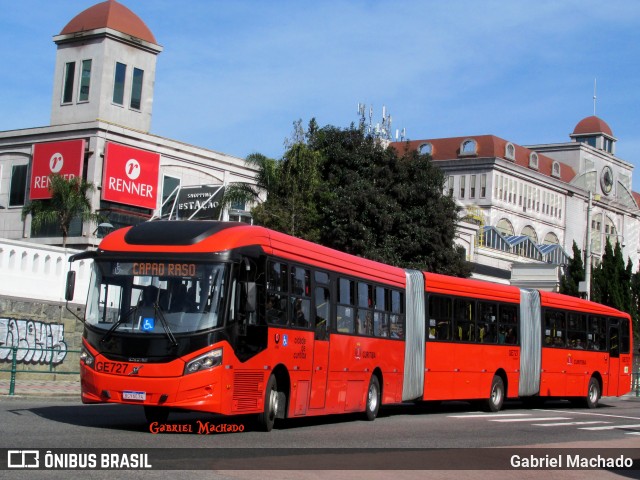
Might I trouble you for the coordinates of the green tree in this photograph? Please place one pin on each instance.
(574, 274)
(69, 200)
(343, 189)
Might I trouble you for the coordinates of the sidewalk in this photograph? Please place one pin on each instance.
(42, 388)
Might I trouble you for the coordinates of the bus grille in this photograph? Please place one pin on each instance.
(247, 390)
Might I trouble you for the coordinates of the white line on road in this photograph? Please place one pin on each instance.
(539, 419)
(611, 427)
(563, 424)
(490, 415)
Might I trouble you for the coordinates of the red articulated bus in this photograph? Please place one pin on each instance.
(234, 319)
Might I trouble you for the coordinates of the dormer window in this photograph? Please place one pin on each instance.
(533, 160)
(555, 169)
(469, 147)
(510, 152)
(426, 149)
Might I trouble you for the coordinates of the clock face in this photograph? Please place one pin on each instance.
(606, 180)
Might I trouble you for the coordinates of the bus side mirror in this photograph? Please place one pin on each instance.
(250, 293)
(71, 285)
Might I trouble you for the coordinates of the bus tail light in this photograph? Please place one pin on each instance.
(203, 362)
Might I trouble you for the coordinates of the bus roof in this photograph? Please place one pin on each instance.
(444, 284)
(566, 302)
(193, 237)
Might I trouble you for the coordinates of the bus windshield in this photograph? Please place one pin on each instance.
(156, 297)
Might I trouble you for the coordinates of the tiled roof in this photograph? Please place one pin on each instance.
(113, 15)
(488, 146)
(592, 124)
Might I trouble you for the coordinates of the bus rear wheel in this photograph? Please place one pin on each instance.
(593, 394)
(496, 395)
(373, 399)
(267, 418)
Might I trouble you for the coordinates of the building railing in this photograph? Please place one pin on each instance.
(49, 367)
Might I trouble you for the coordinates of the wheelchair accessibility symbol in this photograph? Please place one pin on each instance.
(148, 324)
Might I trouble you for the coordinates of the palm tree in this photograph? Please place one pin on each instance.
(69, 200)
(266, 178)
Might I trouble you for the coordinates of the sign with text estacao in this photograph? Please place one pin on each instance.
(130, 176)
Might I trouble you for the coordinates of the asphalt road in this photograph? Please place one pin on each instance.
(451, 428)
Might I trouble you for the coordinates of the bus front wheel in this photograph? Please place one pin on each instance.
(496, 395)
(373, 399)
(271, 405)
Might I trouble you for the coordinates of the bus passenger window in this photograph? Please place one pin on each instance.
(508, 324)
(277, 279)
(465, 318)
(276, 309)
(487, 322)
(554, 329)
(300, 312)
(440, 313)
(344, 319)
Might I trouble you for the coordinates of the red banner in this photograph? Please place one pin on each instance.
(64, 158)
(130, 176)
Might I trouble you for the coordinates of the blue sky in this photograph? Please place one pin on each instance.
(235, 75)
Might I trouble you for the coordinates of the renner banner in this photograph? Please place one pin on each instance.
(130, 176)
(64, 158)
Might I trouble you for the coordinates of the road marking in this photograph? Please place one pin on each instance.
(575, 412)
(539, 419)
(633, 433)
(490, 415)
(563, 424)
(611, 427)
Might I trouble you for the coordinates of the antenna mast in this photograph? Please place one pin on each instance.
(381, 130)
(594, 97)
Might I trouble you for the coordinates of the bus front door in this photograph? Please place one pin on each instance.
(320, 349)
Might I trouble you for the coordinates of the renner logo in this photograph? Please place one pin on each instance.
(132, 170)
(56, 162)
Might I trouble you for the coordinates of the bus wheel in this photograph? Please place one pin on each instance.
(496, 396)
(271, 405)
(156, 414)
(373, 399)
(593, 394)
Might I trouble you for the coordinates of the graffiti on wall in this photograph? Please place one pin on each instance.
(37, 342)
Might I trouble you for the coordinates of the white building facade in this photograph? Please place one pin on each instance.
(529, 204)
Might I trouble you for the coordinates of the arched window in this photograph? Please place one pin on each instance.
(469, 147)
(530, 232)
(551, 239)
(505, 227)
(555, 169)
(426, 149)
(510, 152)
(533, 160)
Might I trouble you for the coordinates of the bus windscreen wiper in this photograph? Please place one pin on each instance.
(121, 320)
(165, 324)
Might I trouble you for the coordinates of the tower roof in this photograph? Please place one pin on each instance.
(113, 15)
(592, 125)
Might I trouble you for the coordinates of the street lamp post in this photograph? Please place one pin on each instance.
(587, 250)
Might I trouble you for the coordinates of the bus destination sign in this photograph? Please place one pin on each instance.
(157, 269)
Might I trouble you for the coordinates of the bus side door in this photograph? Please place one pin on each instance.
(614, 357)
(320, 367)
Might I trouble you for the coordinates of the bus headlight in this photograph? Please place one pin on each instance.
(203, 362)
(86, 357)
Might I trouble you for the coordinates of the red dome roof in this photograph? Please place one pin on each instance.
(592, 124)
(110, 14)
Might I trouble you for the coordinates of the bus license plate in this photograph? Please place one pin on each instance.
(134, 396)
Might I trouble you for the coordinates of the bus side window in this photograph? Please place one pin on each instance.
(508, 326)
(487, 322)
(345, 311)
(554, 328)
(440, 313)
(323, 304)
(465, 318)
(625, 343)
